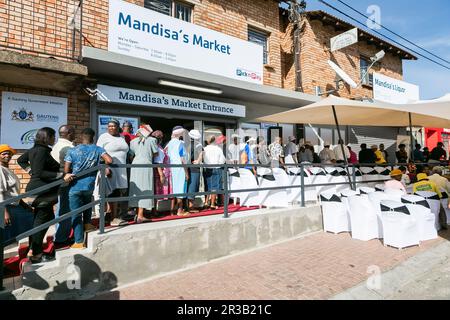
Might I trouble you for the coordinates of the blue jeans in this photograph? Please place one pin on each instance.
(77, 199)
(21, 221)
(193, 184)
(63, 228)
(214, 179)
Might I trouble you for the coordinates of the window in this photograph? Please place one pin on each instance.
(364, 65)
(172, 8)
(260, 38)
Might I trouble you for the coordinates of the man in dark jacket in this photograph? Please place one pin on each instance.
(366, 156)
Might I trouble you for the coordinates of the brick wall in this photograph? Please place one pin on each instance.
(78, 116)
(315, 40)
(230, 17)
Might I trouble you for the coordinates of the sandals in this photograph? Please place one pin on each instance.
(144, 220)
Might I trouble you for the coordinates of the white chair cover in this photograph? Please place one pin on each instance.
(234, 183)
(419, 209)
(334, 212)
(248, 181)
(319, 176)
(435, 204)
(363, 219)
(394, 194)
(369, 174)
(274, 198)
(379, 187)
(383, 173)
(375, 199)
(400, 230)
(366, 190)
(295, 179)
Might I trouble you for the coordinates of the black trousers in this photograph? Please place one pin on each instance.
(43, 212)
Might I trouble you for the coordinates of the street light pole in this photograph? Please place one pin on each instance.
(296, 13)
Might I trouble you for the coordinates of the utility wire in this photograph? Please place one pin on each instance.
(382, 35)
(393, 32)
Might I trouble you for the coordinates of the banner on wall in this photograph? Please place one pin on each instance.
(23, 114)
(147, 34)
(104, 119)
(395, 91)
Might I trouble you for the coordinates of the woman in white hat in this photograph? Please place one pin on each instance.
(177, 154)
(196, 151)
(142, 149)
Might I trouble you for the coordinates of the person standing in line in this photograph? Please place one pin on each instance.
(247, 156)
(213, 155)
(59, 151)
(43, 169)
(194, 173)
(276, 153)
(263, 152)
(19, 215)
(81, 158)
(379, 159)
(177, 155)
(401, 154)
(128, 132)
(327, 155)
(161, 175)
(418, 154)
(116, 146)
(291, 151)
(306, 155)
(234, 150)
(340, 158)
(143, 148)
(366, 156)
(384, 153)
(353, 157)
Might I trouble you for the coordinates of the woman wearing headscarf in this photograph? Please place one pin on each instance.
(18, 215)
(43, 170)
(177, 154)
(143, 149)
(162, 175)
(116, 146)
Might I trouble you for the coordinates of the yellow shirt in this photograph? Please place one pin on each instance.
(380, 156)
(426, 185)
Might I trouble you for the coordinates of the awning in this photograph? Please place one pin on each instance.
(362, 113)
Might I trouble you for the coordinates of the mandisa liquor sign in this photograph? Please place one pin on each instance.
(147, 34)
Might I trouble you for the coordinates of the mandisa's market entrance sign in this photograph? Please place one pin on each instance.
(147, 34)
(165, 101)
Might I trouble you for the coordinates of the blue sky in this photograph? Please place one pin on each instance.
(426, 24)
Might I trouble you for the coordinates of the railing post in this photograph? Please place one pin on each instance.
(226, 196)
(2, 229)
(102, 198)
(354, 177)
(302, 178)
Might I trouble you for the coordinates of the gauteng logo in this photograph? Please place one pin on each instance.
(22, 115)
(28, 137)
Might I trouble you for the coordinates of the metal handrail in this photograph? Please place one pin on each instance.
(225, 191)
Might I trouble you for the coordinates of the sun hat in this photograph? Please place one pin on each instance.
(422, 176)
(292, 138)
(178, 130)
(396, 172)
(195, 134)
(5, 147)
(221, 139)
(145, 130)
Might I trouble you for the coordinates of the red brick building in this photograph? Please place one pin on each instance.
(60, 48)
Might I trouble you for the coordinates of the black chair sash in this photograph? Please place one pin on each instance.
(320, 173)
(297, 174)
(435, 197)
(269, 177)
(334, 198)
(444, 195)
(378, 189)
(373, 172)
(423, 203)
(235, 174)
(402, 209)
(385, 173)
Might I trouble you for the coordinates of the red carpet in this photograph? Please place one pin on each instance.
(13, 265)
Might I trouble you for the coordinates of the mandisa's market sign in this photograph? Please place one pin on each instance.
(159, 100)
(147, 34)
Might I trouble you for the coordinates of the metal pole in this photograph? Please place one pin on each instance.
(411, 137)
(2, 228)
(102, 198)
(354, 176)
(342, 148)
(302, 179)
(226, 195)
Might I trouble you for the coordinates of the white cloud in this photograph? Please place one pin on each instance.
(437, 42)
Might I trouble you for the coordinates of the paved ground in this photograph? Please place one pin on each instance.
(320, 266)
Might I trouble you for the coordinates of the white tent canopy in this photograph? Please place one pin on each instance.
(435, 113)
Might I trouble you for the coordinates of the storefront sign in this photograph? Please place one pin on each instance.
(147, 34)
(23, 114)
(104, 119)
(160, 100)
(394, 91)
(344, 40)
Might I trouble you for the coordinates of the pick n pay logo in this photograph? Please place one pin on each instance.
(248, 74)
